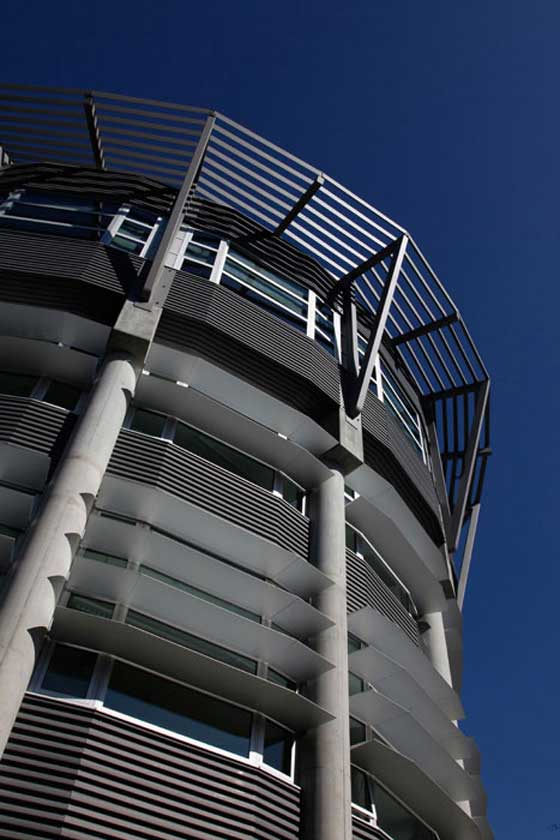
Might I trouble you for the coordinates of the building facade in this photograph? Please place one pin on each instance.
(243, 434)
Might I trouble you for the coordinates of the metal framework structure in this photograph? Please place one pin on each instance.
(377, 268)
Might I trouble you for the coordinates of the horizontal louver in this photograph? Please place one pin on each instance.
(161, 464)
(364, 588)
(82, 774)
(33, 424)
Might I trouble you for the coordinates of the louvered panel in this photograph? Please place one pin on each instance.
(29, 423)
(161, 464)
(362, 831)
(364, 588)
(68, 257)
(81, 773)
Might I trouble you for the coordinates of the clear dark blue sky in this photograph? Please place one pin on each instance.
(445, 115)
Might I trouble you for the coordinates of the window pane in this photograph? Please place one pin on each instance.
(277, 750)
(66, 396)
(293, 494)
(360, 789)
(148, 422)
(69, 671)
(91, 605)
(355, 684)
(180, 709)
(224, 456)
(357, 732)
(16, 384)
(127, 244)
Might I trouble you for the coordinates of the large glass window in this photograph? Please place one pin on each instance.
(277, 751)
(282, 297)
(200, 255)
(164, 703)
(51, 391)
(52, 213)
(69, 671)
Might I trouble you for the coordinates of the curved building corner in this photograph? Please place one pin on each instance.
(243, 434)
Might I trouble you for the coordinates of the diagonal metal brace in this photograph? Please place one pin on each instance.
(378, 328)
(93, 130)
(345, 282)
(304, 199)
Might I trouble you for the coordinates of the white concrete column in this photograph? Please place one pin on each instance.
(44, 561)
(437, 645)
(325, 751)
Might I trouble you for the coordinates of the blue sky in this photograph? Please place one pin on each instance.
(444, 115)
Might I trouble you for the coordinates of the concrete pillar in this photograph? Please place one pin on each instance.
(44, 562)
(325, 751)
(437, 645)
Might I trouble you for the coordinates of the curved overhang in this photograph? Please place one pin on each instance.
(397, 726)
(384, 518)
(22, 320)
(197, 616)
(413, 786)
(171, 660)
(211, 533)
(385, 637)
(391, 680)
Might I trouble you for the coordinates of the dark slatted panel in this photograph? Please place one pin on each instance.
(91, 183)
(82, 774)
(235, 333)
(364, 588)
(33, 424)
(160, 463)
(362, 831)
(52, 256)
(388, 452)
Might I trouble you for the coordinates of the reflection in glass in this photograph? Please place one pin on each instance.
(69, 671)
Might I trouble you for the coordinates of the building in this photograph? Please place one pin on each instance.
(244, 432)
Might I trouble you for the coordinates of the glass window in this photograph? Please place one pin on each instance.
(224, 456)
(148, 422)
(66, 396)
(277, 751)
(91, 605)
(17, 384)
(357, 731)
(109, 559)
(396, 820)
(361, 790)
(69, 671)
(164, 703)
(280, 679)
(351, 539)
(181, 637)
(293, 494)
(355, 684)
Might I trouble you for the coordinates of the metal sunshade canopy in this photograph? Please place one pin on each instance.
(293, 200)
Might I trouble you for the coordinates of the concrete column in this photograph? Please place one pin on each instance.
(325, 751)
(44, 562)
(437, 645)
